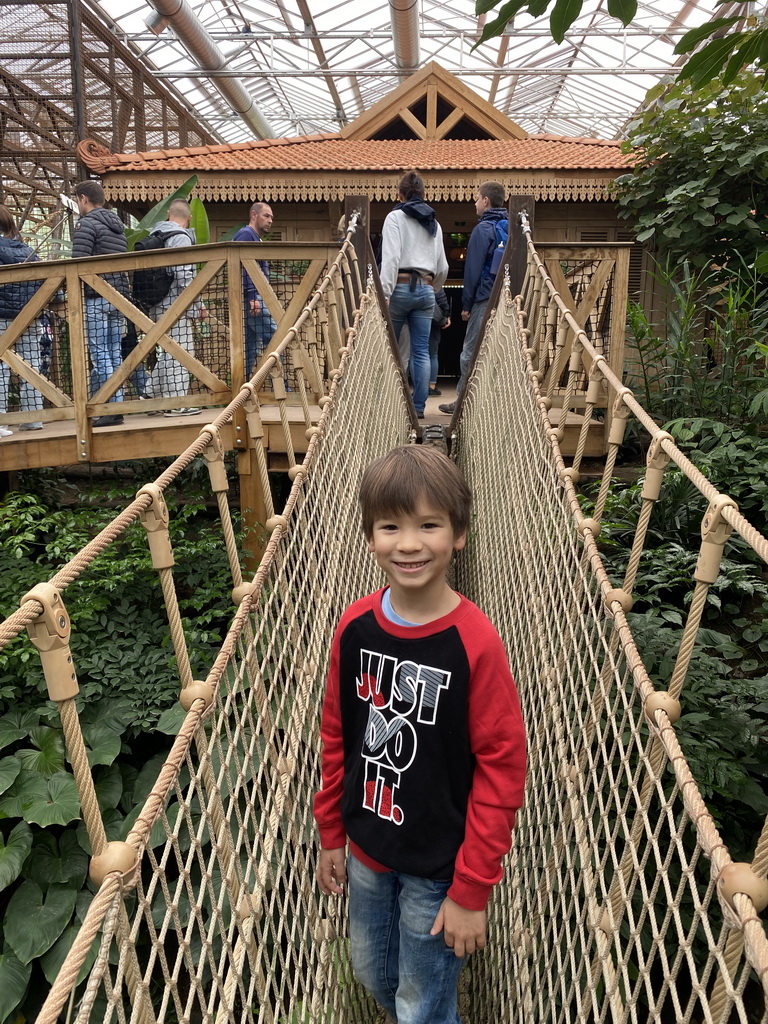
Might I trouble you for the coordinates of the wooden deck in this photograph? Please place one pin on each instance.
(142, 436)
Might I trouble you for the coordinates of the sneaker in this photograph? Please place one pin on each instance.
(31, 426)
(5, 431)
(434, 392)
(449, 408)
(419, 415)
(182, 412)
(107, 421)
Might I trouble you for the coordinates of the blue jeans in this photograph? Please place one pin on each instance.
(104, 330)
(415, 308)
(258, 334)
(411, 973)
(475, 322)
(435, 333)
(28, 347)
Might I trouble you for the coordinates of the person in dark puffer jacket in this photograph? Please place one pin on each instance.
(100, 232)
(13, 298)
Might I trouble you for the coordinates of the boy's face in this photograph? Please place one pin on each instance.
(415, 550)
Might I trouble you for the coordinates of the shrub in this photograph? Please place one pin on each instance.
(128, 701)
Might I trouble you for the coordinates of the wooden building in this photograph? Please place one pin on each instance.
(433, 122)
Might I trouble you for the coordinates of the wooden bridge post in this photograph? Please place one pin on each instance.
(516, 253)
(361, 237)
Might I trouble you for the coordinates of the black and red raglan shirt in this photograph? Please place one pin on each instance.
(423, 747)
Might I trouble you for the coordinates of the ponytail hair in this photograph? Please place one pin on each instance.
(411, 185)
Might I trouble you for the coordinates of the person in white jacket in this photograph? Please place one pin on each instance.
(413, 267)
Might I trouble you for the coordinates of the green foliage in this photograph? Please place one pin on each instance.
(724, 726)
(159, 213)
(725, 55)
(14, 853)
(126, 672)
(14, 978)
(705, 360)
(562, 16)
(35, 919)
(699, 190)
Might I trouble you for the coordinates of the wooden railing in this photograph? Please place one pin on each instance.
(589, 283)
(216, 361)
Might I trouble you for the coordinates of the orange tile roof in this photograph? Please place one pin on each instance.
(329, 152)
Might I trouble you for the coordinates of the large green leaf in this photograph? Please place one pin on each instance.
(15, 725)
(57, 863)
(483, 6)
(103, 743)
(747, 53)
(159, 212)
(624, 10)
(45, 802)
(563, 15)
(709, 61)
(14, 853)
(499, 23)
(47, 757)
(199, 222)
(28, 787)
(14, 978)
(52, 960)
(170, 721)
(109, 787)
(9, 770)
(691, 39)
(34, 920)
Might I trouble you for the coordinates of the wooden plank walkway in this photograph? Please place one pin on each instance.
(142, 436)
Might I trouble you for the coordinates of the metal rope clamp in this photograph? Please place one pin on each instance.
(715, 532)
(213, 453)
(50, 633)
(155, 522)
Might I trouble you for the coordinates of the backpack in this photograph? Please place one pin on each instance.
(502, 233)
(151, 286)
(15, 295)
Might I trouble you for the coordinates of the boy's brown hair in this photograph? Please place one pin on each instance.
(394, 484)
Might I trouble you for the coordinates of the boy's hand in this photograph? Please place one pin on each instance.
(463, 930)
(332, 871)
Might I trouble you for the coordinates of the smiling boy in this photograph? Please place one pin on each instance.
(423, 748)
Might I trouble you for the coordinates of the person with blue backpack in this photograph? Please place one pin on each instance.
(486, 246)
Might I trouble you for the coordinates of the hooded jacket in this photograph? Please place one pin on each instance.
(183, 274)
(482, 242)
(15, 296)
(406, 243)
(100, 232)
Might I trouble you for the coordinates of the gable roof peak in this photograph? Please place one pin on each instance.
(432, 104)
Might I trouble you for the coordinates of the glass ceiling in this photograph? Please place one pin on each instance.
(587, 86)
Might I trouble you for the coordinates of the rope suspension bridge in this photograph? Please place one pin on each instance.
(620, 900)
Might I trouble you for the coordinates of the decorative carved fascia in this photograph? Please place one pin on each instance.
(317, 187)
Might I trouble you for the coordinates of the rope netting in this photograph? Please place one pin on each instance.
(619, 900)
